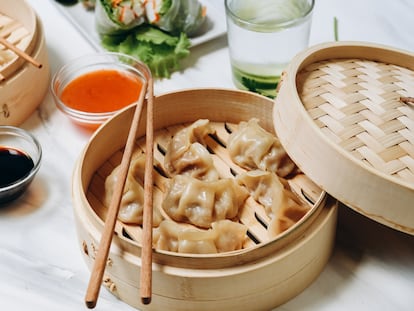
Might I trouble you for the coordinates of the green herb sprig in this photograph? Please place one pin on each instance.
(335, 23)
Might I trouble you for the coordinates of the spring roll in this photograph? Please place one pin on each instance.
(118, 16)
(176, 16)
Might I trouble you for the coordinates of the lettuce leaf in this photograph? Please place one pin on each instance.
(161, 51)
(166, 5)
(109, 9)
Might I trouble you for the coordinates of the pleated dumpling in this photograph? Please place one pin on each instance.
(292, 210)
(252, 147)
(265, 187)
(132, 201)
(203, 202)
(186, 153)
(282, 206)
(224, 236)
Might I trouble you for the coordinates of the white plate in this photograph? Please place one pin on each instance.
(84, 21)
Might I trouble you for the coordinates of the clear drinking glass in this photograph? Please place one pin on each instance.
(263, 36)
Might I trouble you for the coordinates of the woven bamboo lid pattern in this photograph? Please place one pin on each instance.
(345, 105)
(357, 104)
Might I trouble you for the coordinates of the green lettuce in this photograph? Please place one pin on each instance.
(166, 5)
(160, 51)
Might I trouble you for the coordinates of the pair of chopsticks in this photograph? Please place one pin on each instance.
(111, 218)
(407, 100)
(20, 53)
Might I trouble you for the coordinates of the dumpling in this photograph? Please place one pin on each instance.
(187, 155)
(265, 187)
(252, 147)
(181, 238)
(203, 202)
(282, 206)
(165, 236)
(224, 236)
(132, 201)
(195, 162)
(288, 215)
(230, 235)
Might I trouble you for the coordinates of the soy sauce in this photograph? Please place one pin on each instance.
(14, 165)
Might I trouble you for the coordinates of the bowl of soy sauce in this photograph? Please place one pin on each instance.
(20, 157)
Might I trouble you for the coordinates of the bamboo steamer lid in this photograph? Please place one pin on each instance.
(339, 115)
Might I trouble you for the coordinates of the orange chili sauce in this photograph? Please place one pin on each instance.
(103, 90)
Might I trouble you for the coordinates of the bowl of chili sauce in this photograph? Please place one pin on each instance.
(94, 87)
(20, 157)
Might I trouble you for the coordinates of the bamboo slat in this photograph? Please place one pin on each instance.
(371, 115)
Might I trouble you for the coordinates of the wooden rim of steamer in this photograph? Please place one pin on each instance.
(18, 25)
(175, 109)
(339, 116)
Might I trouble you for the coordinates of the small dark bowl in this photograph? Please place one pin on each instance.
(26, 145)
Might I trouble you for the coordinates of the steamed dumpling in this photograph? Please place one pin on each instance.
(252, 147)
(230, 235)
(195, 162)
(187, 155)
(224, 236)
(291, 211)
(281, 204)
(203, 202)
(132, 201)
(265, 187)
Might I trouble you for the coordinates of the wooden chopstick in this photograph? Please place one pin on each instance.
(146, 253)
(20, 53)
(98, 270)
(407, 100)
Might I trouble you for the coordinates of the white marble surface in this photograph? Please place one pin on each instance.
(372, 267)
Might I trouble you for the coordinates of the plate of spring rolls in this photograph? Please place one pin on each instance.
(201, 19)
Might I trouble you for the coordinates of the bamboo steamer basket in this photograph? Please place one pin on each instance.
(340, 117)
(18, 25)
(259, 277)
(22, 85)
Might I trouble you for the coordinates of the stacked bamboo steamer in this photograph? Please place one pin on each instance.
(22, 85)
(343, 116)
(262, 276)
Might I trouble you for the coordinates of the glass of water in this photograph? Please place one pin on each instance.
(263, 36)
